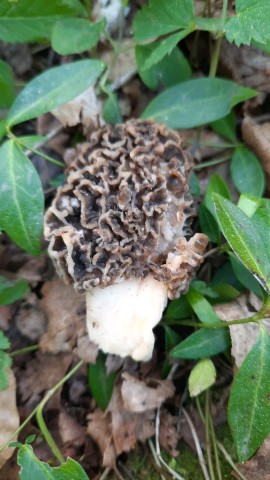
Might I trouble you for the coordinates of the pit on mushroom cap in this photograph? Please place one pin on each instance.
(118, 228)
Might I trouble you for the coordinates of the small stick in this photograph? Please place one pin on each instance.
(197, 444)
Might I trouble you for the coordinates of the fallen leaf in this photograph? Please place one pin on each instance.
(84, 109)
(71, 432)
(139, 397)
(86, 350)
(64, 309)
(258, 467)
(9, 417)
(257, 137)
(243, 336)
(168, 436)
(100, 429)
(30, 320)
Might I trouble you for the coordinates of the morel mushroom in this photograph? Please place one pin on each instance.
(118, 228)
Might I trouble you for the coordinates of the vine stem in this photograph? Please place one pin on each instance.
(216, 54)
(40, 407)
(31, 348)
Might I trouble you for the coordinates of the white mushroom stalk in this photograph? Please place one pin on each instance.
(118, 231)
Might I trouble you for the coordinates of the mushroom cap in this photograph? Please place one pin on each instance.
(125, 210)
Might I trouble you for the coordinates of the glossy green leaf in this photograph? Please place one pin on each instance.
(225, 293)
(5, 363)
(261, 219)
(208, 224)
(75, 35)
(34, 469)
(162, 48)
(196, 102)
(203, 289)
(244, 276)
(11, 291)
(3, 124)
(205, 342)
(244, 239)
(248, 204)
(158, 18)
(172, 69)
(247, 173)
(251, 22)
(208, 24)
(101, 384)
(172, 338)
(178, 309)
(201, 377)
(53, 88)
(194, 185)
(216, 184)
(226, 127)
(7, 88)
(31, 140)
(21, 198)
(249, 404)
(26, 21)
(202, 307)
(111, 111)
(4, 341)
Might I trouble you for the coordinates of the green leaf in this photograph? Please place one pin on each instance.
(75, 35)
(31, 140)
(216, 184)
(101, 384)
(171, 339)
(26, 21)
(205, 342)
(203, 289)
(226, 293)
(53, 88)
(5, 363)
(4, 341)
(251, 22)
(249, 404)
(111, 111)
(208, 224)
(201, 377)
(226, 127)
(247, 173)
(202, 307)
(261, 220)
(34, 469)
(244, 276)
(172, 69)
(160, 17)
(244, 239)
(11, 291)
(194, 185)
(3, 124)
(196, 102)
(248, 204)
(208, 24)
(6, 85)
(162, 48)
(178, 309)
(21, 198)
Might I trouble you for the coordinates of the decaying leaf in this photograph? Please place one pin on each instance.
(257, 137)
(258, 467)
(243, 335)
(83, 109)
(168, 436)
(9, 416)
(99, 428)
(65, 312)
(139, 397)
(71, 432)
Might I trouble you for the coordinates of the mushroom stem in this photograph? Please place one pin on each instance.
(120, 317)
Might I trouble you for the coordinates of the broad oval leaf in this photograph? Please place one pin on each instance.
(203, 343)
(201, 377)
(244, 239)
(11, 291)
(101, 384)
(247, 173)
(26, 21)
(196, 102)
(208, 224)
(53, 88)
(21, 198)
(226, 127)
(249, 404)
(6, 85)
(33, 468)
(75, 35)
(202, 307)
(216, 184)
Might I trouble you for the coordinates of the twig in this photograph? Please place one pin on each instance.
(230, 461)
(197, 444)
(105, 473)
(152, 448)
(162, 461)
(211, 252)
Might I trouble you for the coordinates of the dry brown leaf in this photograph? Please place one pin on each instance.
(71, 432)
(64, 309)
(168, 436)
(86, 350)
(100, 429)
(30, 320)
(139, 397)
(243, 336)
(84, 109)
(257, 137)
(125, 66)
(40, 375)
(9, 417)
